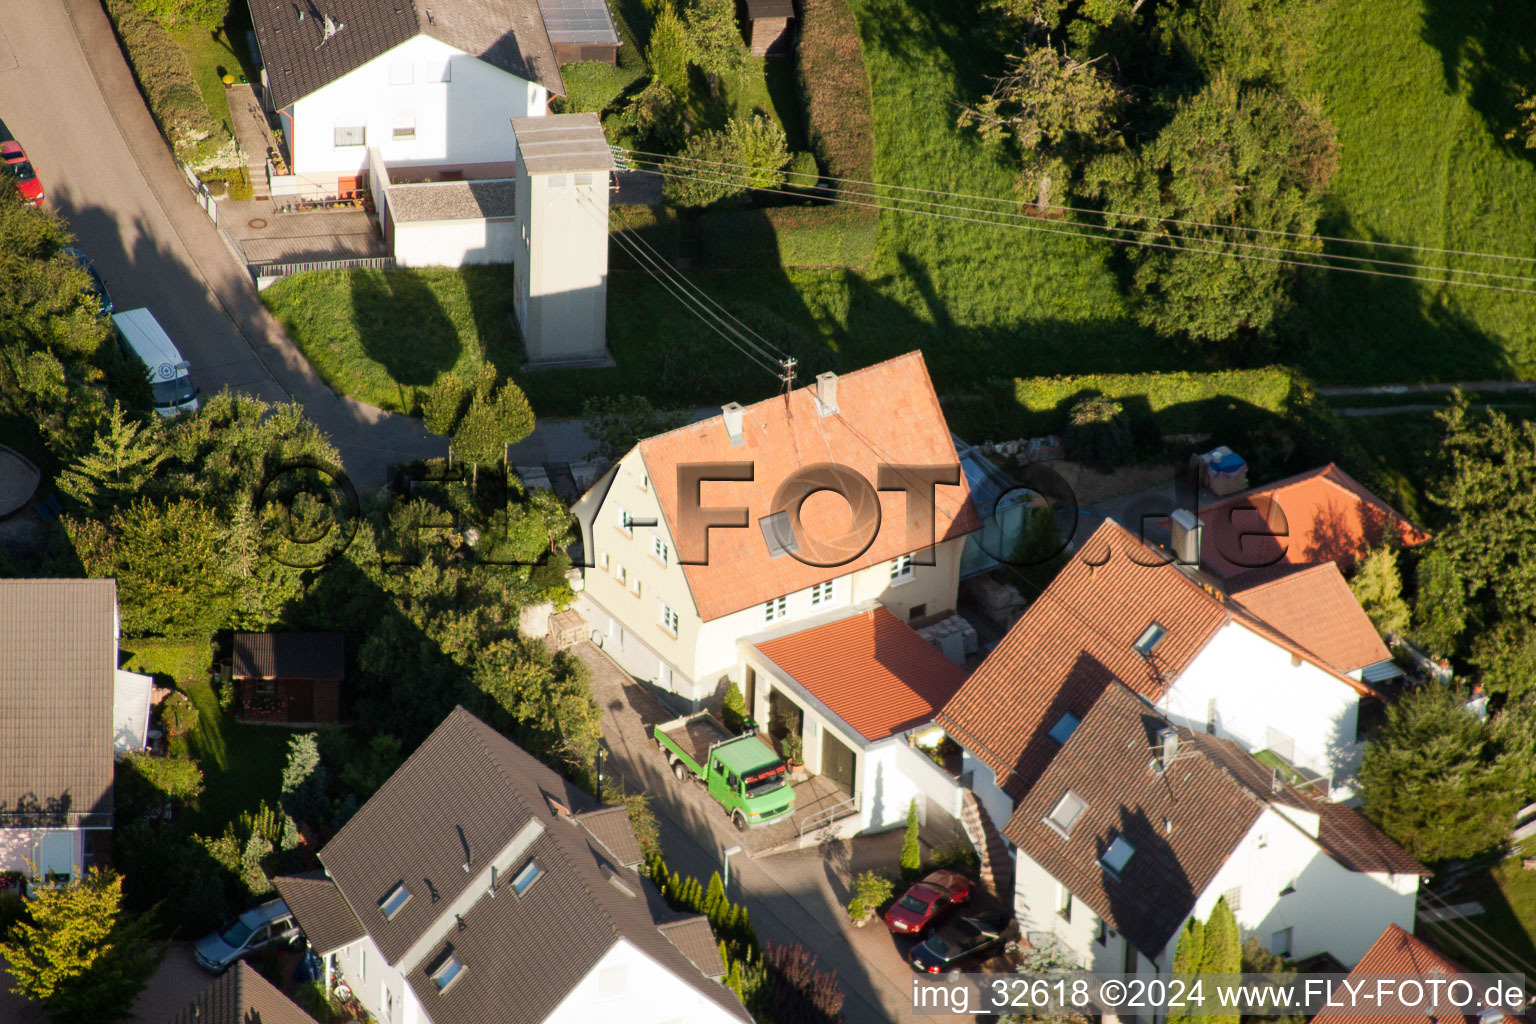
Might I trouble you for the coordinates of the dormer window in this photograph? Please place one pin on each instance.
(524, 879)
(1149, 639)
(1117, 856)
(393, 900)
(1064, 727)
(778, 534)
(446, 970)
(1066, 812)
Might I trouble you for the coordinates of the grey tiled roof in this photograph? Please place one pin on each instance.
(240, 996)
(328, 922)
(468, 777)
(452, 200)
(58, 652)
(561, 143)
(611, 827)
(508, 34)
(290, 656)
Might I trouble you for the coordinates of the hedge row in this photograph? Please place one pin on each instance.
(788, 236)
(168, 87)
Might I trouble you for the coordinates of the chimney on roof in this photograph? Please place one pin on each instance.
(1167, 748)
(733, 413)
(826, 393)
(1186, 538)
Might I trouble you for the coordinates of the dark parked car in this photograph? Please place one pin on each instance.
(963, 941)
(927, 902)
(98, 286)
(27, 183)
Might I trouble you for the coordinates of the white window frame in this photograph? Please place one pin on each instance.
(1066, 829)
(901, 569)
(1063, 903)
(626, 523)
(823, 593)
(402, 72)
(620, 575)
(667, 617)
(635, 585)
(337, 138)
(403, 126)
(776, 609)
(605, 561)
(659, 550)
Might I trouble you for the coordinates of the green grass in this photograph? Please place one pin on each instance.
(790, 236)
(171, 662)
(210, 59)
(384, 336)
(1421, 93)
(1508, 894)
(593, 86)
(242, 764)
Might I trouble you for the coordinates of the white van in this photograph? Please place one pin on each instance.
(140, 334)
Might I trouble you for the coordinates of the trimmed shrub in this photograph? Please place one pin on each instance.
(911, 849)
(734, 708)
(179, 714)
(165, 78)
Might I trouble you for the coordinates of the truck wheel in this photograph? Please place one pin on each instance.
(680, 770)
(740, 821)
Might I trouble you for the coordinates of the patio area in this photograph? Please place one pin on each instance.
(266, 236)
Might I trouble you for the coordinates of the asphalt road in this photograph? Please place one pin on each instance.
(69, 98)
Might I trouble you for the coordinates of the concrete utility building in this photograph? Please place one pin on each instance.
(560, 274)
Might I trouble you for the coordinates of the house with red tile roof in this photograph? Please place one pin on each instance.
(671, 601)
(1401, 954)
(860, 687)
(1135, 824)
(1324, 515)
(1122, 610)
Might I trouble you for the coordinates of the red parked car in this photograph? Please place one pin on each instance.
(927, 902)
(16, 162)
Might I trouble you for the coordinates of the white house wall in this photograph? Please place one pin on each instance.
(1273, 855)
(454, 243)
(462, 121)
(629, 986)
(702, 658)
(1257, 686)
(369, 976)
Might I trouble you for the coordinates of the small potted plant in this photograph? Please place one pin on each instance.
(793, 750)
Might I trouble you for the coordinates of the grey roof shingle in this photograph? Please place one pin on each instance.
(240, 996)
(507, 34)
(290, 656)
(611, 827)
(562, 143)
(328, 922)
(59, 639)
(468, 777)
(452, 200)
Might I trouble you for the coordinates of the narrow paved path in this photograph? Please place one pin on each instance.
(69, 97)
(1430, 387)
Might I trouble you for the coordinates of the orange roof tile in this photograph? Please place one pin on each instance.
(1399, 953)
(886, 413)
(1315, 608)
(1078, 636)
(1324, 515)
(870, 669)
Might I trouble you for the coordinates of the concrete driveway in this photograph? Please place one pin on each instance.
(790, 897)
(69, 98)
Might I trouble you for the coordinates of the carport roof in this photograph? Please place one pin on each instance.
(870, 669)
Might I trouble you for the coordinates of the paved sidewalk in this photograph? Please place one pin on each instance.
(793, 897)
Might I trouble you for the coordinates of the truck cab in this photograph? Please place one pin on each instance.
(748, 778)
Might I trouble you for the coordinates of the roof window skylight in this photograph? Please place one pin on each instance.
(1118, 855)
(1064, 727)
(1066, 812)
(393, 900)
(1150, 637)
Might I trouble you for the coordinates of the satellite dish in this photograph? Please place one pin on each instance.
(167, 371)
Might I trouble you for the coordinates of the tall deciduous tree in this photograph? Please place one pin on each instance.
(716, 38)
(1052, 107)
(81, 955)
(1437, 779)
(514, 416)
(1234, 156)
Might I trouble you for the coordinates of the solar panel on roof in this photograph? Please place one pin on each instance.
(578, 21)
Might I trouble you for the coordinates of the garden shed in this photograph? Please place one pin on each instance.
(290, 677)
(768, 26)
(580, 30)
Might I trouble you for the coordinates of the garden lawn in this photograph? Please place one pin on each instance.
(383, 336)
(1506, 928)
(242, 764)
(210, 59)
(1421, 93)
(171, 662)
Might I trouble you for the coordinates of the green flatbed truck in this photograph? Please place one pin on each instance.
(743, 775)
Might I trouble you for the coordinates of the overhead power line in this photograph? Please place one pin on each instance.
(1314, 260)
(813, 179)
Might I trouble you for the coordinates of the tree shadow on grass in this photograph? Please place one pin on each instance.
(402, 326)
(1486, 47)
